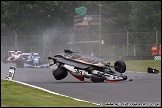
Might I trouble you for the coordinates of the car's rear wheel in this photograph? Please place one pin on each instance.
(97, 78)
(60, 73)
(29, 62)
(19, 63)
(120, 66)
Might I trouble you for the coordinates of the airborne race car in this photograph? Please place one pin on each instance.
(86, 66)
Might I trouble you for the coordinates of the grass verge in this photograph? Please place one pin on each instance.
(17, 95)
(141, 65)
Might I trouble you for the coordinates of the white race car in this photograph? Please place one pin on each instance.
(86, 66)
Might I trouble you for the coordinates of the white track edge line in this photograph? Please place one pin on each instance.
(49, 91)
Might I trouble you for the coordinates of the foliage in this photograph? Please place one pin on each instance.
(146, 15)
(25, 16)
(116, 14)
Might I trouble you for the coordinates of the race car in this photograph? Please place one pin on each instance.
(83, 66)
(33, 61)
(15, 57)
(23, 60)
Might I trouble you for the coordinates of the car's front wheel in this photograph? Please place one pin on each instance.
(120, 66)
(60, 73)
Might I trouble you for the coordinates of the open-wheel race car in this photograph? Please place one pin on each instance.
(87, 66)
(33, 61)
(14, 57)
(23, 60)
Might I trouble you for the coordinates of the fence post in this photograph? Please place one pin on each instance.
(127, 38)
(31, 49)
(15, 40)
(156, 40)
(113, 49)
(43, 44)
(134, 50)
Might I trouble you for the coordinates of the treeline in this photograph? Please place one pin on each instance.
(35, 16)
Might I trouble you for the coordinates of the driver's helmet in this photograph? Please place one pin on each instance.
(15, 52)
(32, 53)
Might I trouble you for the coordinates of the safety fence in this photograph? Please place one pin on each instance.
(112, 44)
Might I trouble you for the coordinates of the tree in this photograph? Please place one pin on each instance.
(34, 16)
(116, 14)
(145, 15)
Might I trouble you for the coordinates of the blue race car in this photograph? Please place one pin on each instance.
(33, 60)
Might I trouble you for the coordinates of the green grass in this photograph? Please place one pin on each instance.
(18, 95)
(141, 65)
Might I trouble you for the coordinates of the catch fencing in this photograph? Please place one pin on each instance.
(111, 44)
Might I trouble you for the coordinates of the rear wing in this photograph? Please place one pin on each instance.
(10, 52)
(68, 51)
(20, 52)
(27, 54)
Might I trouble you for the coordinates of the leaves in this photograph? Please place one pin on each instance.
(146, 15)
(27, 16)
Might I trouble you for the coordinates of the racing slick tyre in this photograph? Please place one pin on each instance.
(29, 62)
(120, 66)
(60, 73)
(20, 63)
(124, 77)
(97, 78)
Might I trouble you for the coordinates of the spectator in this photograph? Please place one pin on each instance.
(153, 50)
(159, 50)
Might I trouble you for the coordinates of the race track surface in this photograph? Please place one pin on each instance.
(145, 87)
